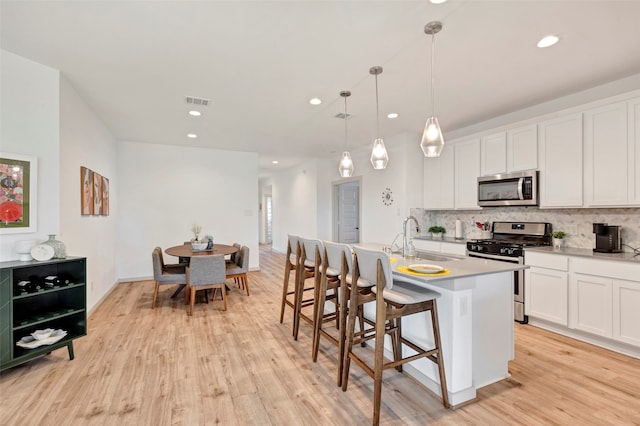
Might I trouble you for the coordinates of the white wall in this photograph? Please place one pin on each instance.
(85, 141)
(164, 189)
(29, 113)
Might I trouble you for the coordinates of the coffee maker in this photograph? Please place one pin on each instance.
(607, 238)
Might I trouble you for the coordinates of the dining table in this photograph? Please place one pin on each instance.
(186, 251)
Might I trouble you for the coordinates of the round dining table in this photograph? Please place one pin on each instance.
(185, 250)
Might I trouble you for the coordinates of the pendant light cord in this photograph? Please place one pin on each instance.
(345, 124)
(377, 111)
(433, 95)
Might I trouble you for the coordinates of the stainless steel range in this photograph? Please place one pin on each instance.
(508, 244)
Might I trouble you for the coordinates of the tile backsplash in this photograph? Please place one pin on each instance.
(577, 223)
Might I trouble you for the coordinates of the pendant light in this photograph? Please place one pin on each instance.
(346, 164)
(432, 141)
(379, 156)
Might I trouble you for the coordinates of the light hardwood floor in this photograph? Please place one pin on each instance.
(139, 366)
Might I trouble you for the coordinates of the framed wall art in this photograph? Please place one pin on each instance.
(18, 193)
(94, 193)
(86, 191)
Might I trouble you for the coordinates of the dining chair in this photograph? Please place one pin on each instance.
(203, 273)
(291, 262)
(309, 264)
(165, 274)
(238, 271)
(393, 300)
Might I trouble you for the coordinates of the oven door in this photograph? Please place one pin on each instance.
(518, 283)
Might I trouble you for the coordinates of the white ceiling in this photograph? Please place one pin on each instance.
(259, 62)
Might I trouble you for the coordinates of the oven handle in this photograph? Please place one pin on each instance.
(519, 260)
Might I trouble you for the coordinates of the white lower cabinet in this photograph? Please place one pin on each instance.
(626, 311)
(585, 295)
(546, 294)
(590, 304)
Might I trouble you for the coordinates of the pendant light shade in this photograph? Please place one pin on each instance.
(379, 156)
(346, 164)
(432, 141)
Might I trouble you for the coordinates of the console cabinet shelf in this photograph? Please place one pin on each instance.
(62, 306)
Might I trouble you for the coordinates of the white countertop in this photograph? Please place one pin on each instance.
(569, 251)
(442, 240)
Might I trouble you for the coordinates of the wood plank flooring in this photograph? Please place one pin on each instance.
(139, 366)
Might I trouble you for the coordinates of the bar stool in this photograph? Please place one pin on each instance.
(290, 264)
(334, 286)
(309, 266)
(394, 299)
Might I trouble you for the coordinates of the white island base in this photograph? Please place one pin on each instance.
(475, 313)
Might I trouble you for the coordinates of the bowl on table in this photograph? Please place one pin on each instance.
(199, 246)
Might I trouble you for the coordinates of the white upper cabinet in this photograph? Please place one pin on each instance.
(493, 154)
(467, 170)
(512, 151)
(522, 148)
(560, 147)
(438, 180)
(606, 146)
(633, 108)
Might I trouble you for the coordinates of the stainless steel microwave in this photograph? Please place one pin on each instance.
(509, 189)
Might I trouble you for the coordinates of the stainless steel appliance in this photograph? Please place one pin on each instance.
(508, 244)
(509, 189)
(608, 239)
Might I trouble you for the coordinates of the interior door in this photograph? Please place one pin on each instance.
(269, 219)
(349, 213)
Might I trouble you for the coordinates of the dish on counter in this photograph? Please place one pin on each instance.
(424, 268)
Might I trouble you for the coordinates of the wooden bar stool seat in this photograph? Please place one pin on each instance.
(393, 299)
(291, 263)
(309, 266)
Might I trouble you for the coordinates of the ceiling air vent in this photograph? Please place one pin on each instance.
(197, 101)
(342, 116)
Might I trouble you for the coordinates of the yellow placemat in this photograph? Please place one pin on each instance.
(406, 270)
(392, 259)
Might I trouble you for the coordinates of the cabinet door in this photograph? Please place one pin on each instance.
(605, 153)
(467, 170)
(633, 121)
(522, 149)
(590, 304)
(493, 154)
(546, 294)
(561, 161)
(438, 180)
(626, 315)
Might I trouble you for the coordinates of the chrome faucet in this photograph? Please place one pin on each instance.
(405, 240)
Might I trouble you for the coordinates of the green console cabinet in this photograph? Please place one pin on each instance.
(40, 295)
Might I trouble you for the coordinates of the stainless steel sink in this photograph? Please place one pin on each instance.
(421, 255)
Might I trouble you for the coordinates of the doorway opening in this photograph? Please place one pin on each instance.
(346, 212)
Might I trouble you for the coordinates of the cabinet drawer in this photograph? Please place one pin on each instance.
(427, 245)
(605, 268)
(549, 261)
(454, 248)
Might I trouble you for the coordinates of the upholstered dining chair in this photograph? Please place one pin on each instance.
(203, 273)
(238, 270)
(165, 274)
(393, 300)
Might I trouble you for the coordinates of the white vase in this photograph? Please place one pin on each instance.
(557, 243)
(436, 235)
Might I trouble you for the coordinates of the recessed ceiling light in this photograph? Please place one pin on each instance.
(315, 101)
(274, 162)
(392, 115)
(437, 1)
(547, 41)
(192, 135)
(195, 113)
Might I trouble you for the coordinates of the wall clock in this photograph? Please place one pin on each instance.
(387, 197)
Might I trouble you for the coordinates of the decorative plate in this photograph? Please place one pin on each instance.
(42, 252)
(423, 268)
(387, 197)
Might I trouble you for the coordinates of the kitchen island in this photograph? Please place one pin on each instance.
(475, 312)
